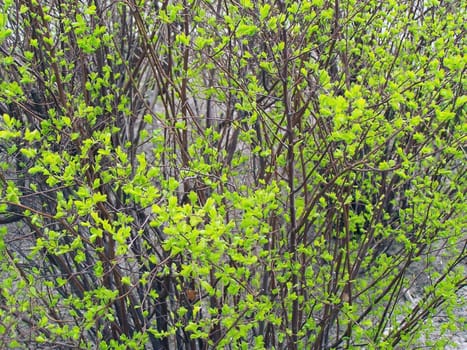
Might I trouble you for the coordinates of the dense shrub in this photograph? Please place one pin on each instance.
(221, 174)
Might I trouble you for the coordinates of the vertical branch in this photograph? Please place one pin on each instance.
(290, 180)
(183, 90)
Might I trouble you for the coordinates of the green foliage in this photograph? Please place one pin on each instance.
(242, 175)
